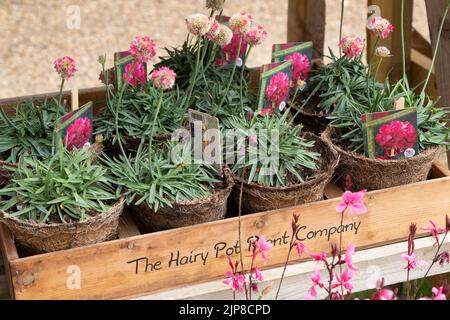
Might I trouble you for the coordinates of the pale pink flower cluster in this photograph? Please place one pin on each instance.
(240, 22)
(300, 67)
(352, 47)
(198, 24)
(142, 49)
(352, 203)
(163, 78)
(233, 278)
(255, 36)
(262, 247)
(381, 27)
(224, 36)
(413, 262)
(278, 89)
(383, 52)
(65, 67)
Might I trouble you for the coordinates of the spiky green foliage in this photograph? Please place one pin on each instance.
(340, 84)
(57, 191)
(29, 132)
(161, 181)
(431, 119)
(279, 157)
(136, 113)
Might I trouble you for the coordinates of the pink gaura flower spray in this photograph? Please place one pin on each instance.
(352, 204)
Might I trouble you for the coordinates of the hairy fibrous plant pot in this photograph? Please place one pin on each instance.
(37, 237)
(259, 198)
(185, 213)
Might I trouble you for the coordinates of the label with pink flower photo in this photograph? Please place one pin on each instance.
(274, 86)
(124, 70)
(300, 53)
(74, 130)
(391, 135)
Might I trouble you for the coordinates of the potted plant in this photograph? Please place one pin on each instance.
(277, 166)
(360, 171)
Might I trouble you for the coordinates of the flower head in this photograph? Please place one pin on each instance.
(240, 22)
(300, 67)
(215, 5)
(352, 204)
(434, 230)
(413, 263)
(383, 52)
(198, 24)
(438, 294)
(214, 29)
(349, 257)
(315, 278)
(443, 258)
(396, 137)
(236, 280)
(142, 49)
(261, 247)
(321, 257)
(301, 248)
(78, 134)
(163, 78)
(352, 47)
(278, 89)
(344, 282)
(223, 36)
(257, 275)
(65, 67)
(255, 36)
(137, 77)
(381, 27)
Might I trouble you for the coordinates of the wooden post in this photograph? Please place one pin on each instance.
(391, 10)
(306, 22)
(435, 12)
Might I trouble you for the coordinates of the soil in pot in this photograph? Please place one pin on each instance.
(311, 116)
(359, 172)
(35, 237)
(259, 198)
(185, 213)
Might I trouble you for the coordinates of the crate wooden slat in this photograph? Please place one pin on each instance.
(108, 270)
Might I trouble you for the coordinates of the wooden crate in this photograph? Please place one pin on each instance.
(138, 264)
(141, 264)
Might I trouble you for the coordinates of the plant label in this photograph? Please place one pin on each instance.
(127, 70)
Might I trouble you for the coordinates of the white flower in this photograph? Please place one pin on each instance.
(198, 24)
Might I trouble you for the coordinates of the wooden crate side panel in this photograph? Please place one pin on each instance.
(9, 254)
(108, 270)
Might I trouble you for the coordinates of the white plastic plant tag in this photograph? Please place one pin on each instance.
(239, 62)
(282, 105)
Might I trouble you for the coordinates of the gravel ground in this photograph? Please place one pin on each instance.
(35, 32)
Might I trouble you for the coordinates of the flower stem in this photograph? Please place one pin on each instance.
(242, 76)
(340, 251)
(241, 255)
(438, 41)
(161, 94)
(285, 265)
(402, 19)
(340, 25)
(232, 72)
(57, 115)
(194, 76)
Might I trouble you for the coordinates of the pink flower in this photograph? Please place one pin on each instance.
(163, 78)
(321, 257)
(65, 67)
(262, 247)
(444, 258)
(394, 138)
(352, 47)
(142, 49)
(240, 22)
(78, 134)
(438, 294)
(237, 281)
(300, 67)
(381, 27)
(278, 89)
(353, 203)
(257, 275)
(301, 248)
(349, 257)
(255, 36)
(137, 77)
(434, 230)
(214, 29)
(383, 294)
(345, 281)
(413, 263)
(266, 112)
(315, 278)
